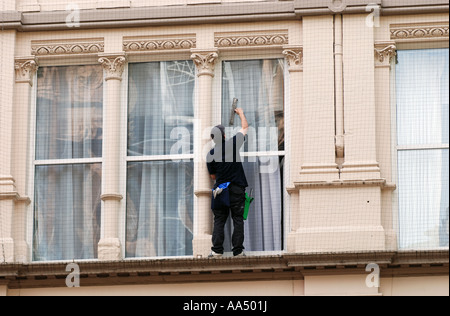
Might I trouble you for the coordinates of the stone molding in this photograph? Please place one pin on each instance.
(252, 39)
(414, 32)
(67, 47)
(160, 43)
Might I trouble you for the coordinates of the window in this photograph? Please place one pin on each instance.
(68, 156)
(422, 83)
(160, 175)
(259, 86)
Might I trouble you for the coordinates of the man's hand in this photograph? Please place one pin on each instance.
(241, 114)
(239, 111)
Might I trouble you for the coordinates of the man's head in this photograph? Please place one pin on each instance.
(218, 133)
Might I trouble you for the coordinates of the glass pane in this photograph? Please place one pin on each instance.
(67, 212)
(161, 108)
(160, 209)
(423, 96)
(259, 86)
(424, 198)
(69, 112)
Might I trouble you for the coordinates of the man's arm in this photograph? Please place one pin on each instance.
(244, 121)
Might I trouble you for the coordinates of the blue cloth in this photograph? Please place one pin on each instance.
(221, 200)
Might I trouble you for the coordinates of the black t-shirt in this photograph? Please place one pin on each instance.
(225, 162)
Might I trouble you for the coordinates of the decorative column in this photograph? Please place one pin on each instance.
(25, 68)
(8, 192)
(294, 57)
(385, 52)
(205, 61)
(109, 247)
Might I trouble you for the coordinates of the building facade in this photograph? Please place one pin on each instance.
(106, 109)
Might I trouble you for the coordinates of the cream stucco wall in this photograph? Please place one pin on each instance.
(311, 286)
(335, 203)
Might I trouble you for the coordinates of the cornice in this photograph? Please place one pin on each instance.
(212, 13)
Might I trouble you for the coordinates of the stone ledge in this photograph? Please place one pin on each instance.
(177, 270)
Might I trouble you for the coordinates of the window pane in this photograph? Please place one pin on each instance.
(67, 212)
(161, 108)
(69, 112)
(259, 86)
(424, 198)
(423, 96)
(160, 208)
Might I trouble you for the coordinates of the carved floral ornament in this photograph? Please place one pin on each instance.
(384, 52)
(294, 57)
(205, 62)
(25, 69)
(113, 65)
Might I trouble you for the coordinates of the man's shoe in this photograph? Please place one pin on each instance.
(215, 255)
(242, 254)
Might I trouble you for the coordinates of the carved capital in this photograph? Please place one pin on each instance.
(113, 65)
(294, 57)
(205, 62)
(25, 68)
(384, 52)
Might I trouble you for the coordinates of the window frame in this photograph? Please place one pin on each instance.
(396, 149)
(245, 55)
(125, 159)
(33, 162)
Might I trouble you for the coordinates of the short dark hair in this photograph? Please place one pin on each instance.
(218, 130)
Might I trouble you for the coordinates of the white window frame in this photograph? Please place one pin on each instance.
(217, 119)
(394, 139)
(125, 159)
(31, 178)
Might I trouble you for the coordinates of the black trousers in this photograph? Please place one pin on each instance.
(237, 201)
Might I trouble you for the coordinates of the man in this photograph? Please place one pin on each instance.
(225, 165)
